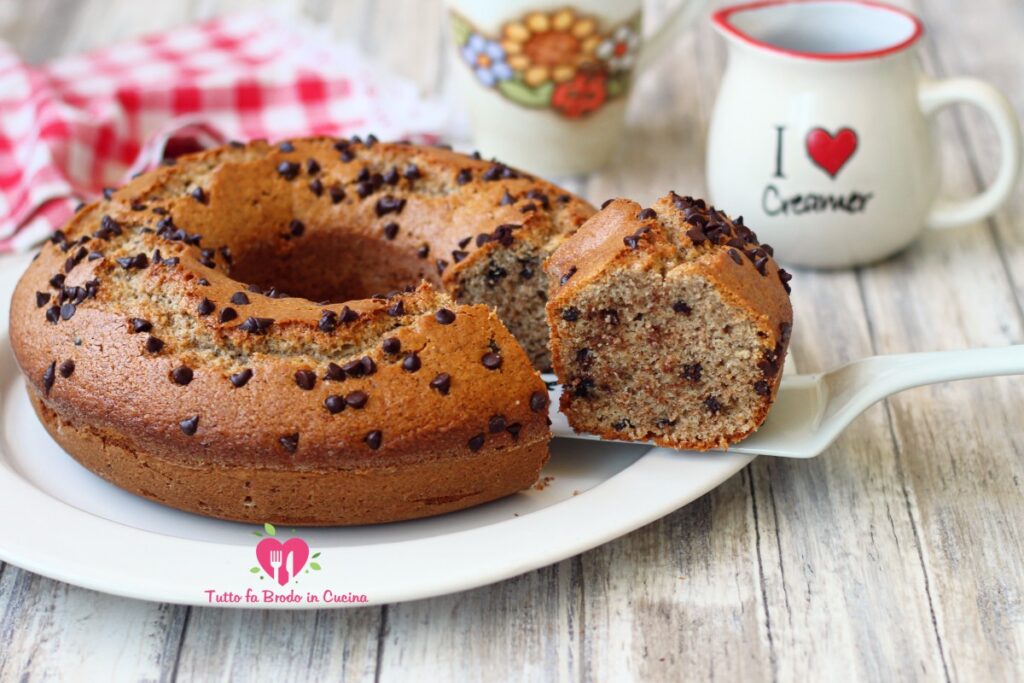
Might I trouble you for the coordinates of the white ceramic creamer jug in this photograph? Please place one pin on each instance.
(820, 135)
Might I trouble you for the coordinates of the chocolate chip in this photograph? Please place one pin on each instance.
(606, 202)
(94, 255)
(496, 424)
(391, 231)
(49, 376)
(228, 314)
(288, 170)
(306, 379)
(241, 378)
(369, 367)
(570, 314)
(692, 372)
(312, 166)
(735, 256)
(458, 255)
(290, 442)
(785, 277)
(423, 251)
(585, 357)
(514, 429)
(67, 368)
(357, 399)
(582, 387)
(206, 307)
(464, 241)
(389, 204)
(347, 315)
(568, 274)
(647, 214)
(182, 375)
(697, 236)
(374, 439)
(67, 311)
(256, 325)
(762, 388)
(761, 265)
(785, 331)
(334, 404)
(337, 193)
(491, 360)
(335, 373)
(347, 155)
(463, 177)
(316, 187)
(526, 273)
(57, 281)
(507, 199)
(199, 195)
(411, 362)
(189, 425)
(391, 176)
(391, 345)
(412, 172)
(296, 228)
(42, 298)
(664, 423)
(712, 405)
(108, 192)
(441, 265)
(286, 147)
(396, 309)
(539, 401)
(476, 442)
(682, 307)
(442, 383)
(154, 345)
(240, 299)
(444, 316)
(203, 281)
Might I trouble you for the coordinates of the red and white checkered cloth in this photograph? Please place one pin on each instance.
(79, 124)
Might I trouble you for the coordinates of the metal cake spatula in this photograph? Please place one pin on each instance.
(811, 410)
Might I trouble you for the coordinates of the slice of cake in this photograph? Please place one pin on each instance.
(669, 324)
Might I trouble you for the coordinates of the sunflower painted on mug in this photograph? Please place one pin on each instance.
(556, 60)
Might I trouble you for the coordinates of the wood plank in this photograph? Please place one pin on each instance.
(53, 631)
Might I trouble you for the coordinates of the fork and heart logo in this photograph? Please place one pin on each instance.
(281, 561)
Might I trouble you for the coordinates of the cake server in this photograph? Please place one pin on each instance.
(810, 411)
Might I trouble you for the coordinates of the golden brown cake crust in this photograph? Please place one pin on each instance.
(678, 237)
(159, 365)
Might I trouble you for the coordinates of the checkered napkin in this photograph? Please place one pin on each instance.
(79, 124)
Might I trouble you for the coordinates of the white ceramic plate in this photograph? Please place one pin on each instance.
(63, 522)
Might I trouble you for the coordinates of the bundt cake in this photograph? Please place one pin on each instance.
(224, 335)
(669, 324)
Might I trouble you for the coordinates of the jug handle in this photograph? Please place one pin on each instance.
(678, 20)
(933, 95)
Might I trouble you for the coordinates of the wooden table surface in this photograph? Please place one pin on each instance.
(896, 555)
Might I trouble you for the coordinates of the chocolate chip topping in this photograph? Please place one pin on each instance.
(442, 383)
(337, 193)
(288, 170)
(374, 439)
(647, 214)
(296, 228)
(568, 275)
(335, 373)
(181, 375)
(290, 442)
(682, 307)
(496, 424)
(391, 231)
(305, 379)
(412, 172)
(154, 345)
(411, 362)
(199, 195)
(762, 388)
(476, 442)
(205, 307)
(67, 368)
(49, 376)
(391, 345)
(735, 256)
(396, 309)
(228, 314)
(692, 372)
(42, 298)
(256, 325)
(347, 315)
(241, 378)
(388, 204)
(189, 425)
(463, 177)
(570, 314)
(240, 299)
(357, 399)
(444, 316)
(712, 405)
(539, 401)
(491, 360)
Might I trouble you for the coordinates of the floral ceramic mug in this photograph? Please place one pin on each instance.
(545, 83)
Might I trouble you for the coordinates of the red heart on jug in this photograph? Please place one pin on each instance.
(282, 560)
(831, 152)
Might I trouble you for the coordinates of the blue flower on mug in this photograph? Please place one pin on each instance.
(487, 59)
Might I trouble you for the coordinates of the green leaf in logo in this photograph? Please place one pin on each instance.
(520, 93)
(314, 565)
(618, 85)
(255, 570)
(256, 533)
(316, 555)
(460, 29)
(269, 528)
